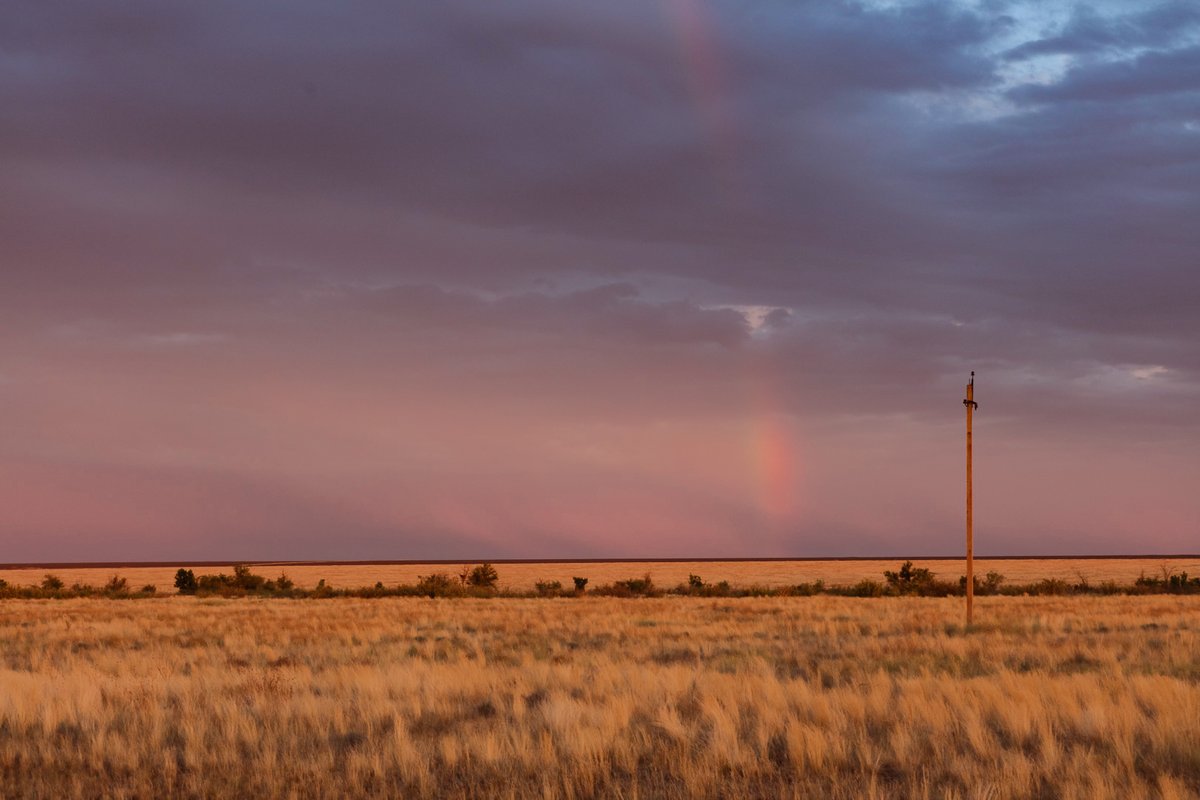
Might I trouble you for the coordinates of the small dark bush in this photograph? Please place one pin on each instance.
(149, 588)
(1181, 583)
(1169, 583)
(698, 588)
(548, 588)
(991, 583)
(638, 586)
(244, 579)
(241, 582)
(1051, 586)
(211, 583)
(185, 581)
(634, 587)
(909, 579)
(865, 588)
(695, 586)
(483, 577)
(52, 583)
(580, 585)
(438, 584)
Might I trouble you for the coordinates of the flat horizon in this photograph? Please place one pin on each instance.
(629, 560)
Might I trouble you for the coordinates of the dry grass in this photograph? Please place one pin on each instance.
(772, 697)
(521, 577)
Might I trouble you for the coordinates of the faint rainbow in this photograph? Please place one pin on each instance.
(773, 447)
(705, 73)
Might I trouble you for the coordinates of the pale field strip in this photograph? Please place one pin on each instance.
(673, 698)
(523, 576)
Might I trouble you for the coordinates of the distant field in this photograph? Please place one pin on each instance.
(522, 576)
(830, 697)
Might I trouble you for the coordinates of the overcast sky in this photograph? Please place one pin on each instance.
(624, 278)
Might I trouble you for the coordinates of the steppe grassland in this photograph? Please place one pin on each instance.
(1085, 697)
(522, 577)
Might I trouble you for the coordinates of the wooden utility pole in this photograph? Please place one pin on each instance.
(971, 406)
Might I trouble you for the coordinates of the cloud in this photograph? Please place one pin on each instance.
(1148, 75)
(524, 264)
(1088, 31)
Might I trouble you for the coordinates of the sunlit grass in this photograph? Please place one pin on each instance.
(675, 697)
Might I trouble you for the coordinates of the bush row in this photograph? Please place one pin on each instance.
(483, 581)
(53, 587)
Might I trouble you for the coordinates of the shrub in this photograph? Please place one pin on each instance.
(865, 588)
(212, 583)
(483, 577)
(991, 583)
(1052, 586)
(909, 579)
(548, 588)
(698, 588)
(243, 578)
(634, 587)
(149, 588)
(1170, 583)
(285, 584)
(185, 581)
(1181, 583)
(242, 581)
(643, 585)
(116, 585)
(580, 585)
(52, 583)
(438, 584)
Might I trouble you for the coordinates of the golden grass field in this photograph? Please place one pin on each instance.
(1068, 697)
(521, 577)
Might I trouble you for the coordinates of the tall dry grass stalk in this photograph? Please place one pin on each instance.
(679, 698)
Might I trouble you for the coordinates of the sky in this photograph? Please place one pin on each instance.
(640, 278)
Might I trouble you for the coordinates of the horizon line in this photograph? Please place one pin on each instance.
(666, 560)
